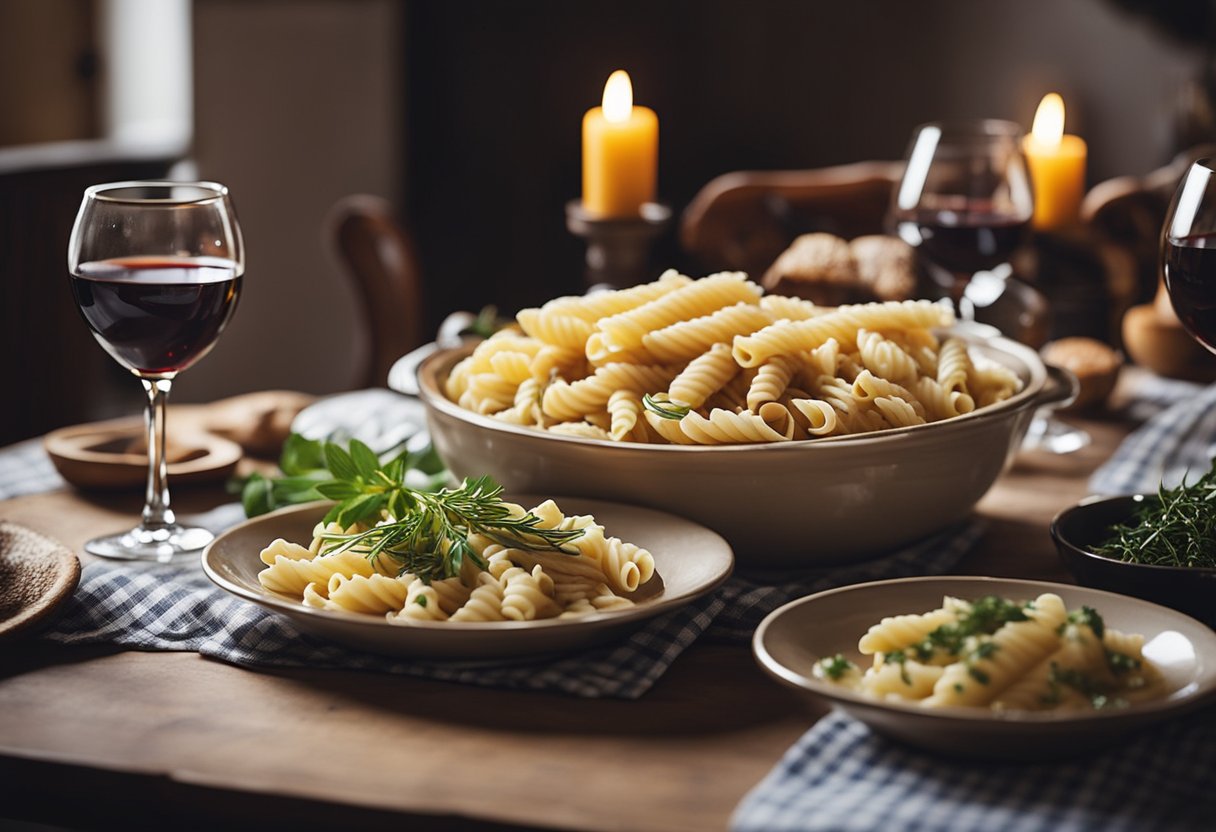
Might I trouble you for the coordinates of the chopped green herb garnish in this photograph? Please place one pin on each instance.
(899, 657)
(1092, 689)
(978, 675)
(1121, 663)
(421, 601)
(986, 616)
(1176, 529)
(835, 667)
(985, 650)
(1088, 617)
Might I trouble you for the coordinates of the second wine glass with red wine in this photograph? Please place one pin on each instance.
(156, 270)
(964, 201)
(1188, 252)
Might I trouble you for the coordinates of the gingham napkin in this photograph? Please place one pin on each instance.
(25, 468)
(178, 608)
(1178, 439)
(842, 777)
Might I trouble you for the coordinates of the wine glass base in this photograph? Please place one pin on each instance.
(1049, 434)
(156, 545)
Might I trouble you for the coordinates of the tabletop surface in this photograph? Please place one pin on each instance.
(312, 748)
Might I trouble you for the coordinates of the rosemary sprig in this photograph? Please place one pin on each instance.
(665, 407)
(421, 532)
(1176, 529)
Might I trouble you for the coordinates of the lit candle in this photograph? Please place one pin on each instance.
(620, 152)
(1057, 167)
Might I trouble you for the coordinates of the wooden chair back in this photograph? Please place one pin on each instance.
(744, 220)
(1129, 212)
(379, 256)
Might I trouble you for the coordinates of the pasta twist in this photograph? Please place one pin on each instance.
(703, 377)
(627, 329)
(748, 368)
(843, 325)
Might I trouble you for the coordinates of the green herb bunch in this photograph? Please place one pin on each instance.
(421, 531)
(1176, 529)
(306, 465)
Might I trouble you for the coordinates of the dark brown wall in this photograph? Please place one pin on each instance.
(47, 49)
(497, 91)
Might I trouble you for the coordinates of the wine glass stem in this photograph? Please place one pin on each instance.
(958, 295)
(157, 514)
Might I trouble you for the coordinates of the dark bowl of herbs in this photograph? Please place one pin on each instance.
(1159, 547)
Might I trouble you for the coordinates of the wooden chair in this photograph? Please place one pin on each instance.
(1126, 215)
(379, 256)
(743, 220)
(1129, 211)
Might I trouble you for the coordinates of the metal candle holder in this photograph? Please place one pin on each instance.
(618, 248)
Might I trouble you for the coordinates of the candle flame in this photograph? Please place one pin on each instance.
(1048, 129)
(618, 97)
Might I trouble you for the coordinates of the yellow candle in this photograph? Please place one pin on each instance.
(1057, 167)
(620, 152)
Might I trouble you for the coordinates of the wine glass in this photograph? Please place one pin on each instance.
(156, 269)
(1188, 252)
(964, 202)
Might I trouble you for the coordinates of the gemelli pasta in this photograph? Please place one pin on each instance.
(516, 584)
(714, 361)
(998, 654)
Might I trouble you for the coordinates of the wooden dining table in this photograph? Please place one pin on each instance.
(101, 735)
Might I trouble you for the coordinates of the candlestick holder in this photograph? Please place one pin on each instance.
(618, 248)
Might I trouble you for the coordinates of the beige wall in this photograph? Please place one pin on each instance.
(296, 105)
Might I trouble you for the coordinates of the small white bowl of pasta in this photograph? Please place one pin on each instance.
(840, 417)
(1040, 688)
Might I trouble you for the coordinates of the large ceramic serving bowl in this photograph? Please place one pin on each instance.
(780, 505)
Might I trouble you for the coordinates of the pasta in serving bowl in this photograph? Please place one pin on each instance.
(980, 676)
(785, 434)
(526, 603)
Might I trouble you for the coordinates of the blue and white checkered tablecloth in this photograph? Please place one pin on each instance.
(1177, 439)
(176, 608)
(25, 469)
(844, 778)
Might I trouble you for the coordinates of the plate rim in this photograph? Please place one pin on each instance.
(1179, 702)
(593, 621)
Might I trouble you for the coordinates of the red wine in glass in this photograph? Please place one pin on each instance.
(157, 315)
(155, 268)
(1190, 278)
(963, 242)
(963, 201)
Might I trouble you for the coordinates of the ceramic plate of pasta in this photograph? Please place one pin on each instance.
(469, 574)
(992, 668)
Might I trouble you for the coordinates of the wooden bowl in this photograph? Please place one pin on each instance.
(110, 455)
(1164, 347)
